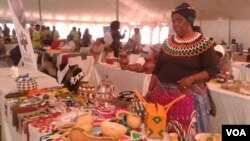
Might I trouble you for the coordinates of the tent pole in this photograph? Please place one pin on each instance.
(40, 11)
(117, 10)
(229, 32)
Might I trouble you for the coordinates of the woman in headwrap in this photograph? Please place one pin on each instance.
(186, 61)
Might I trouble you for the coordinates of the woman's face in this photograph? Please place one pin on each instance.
(180, 24)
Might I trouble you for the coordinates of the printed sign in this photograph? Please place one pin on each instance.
(22, 33)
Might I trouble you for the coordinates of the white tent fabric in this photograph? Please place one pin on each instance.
(220, 19)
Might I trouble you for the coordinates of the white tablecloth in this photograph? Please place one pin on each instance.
(8, 85)
(123, 80)
(232, 108)
(133, 58)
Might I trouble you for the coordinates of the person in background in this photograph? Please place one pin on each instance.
(86, 39)
(223, 42)
(55, 34)
(233, 45)
(2, 47)
(248, 55)
(116, 44)
(1, 32)
(69, 46)
(184, 65)
(223, 61)
(79, 33)
(75, 36)
(36, 37)
(6, 31)
(47, 41)
(137, 40)
(13, 33)
(97, 48)
(31, 30)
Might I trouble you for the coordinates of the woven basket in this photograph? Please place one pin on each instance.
(78, 134)
(26, 85)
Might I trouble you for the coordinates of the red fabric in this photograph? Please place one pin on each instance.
(55, 45)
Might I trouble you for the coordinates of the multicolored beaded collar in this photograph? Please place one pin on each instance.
(192, 46)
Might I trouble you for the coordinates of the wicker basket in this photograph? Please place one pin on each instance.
(78, 134)
(26, 85)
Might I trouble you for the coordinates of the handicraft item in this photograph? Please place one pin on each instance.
(155, 119)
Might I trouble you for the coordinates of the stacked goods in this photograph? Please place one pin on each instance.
(241, 87)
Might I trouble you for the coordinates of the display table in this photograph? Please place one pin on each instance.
(232, 108)
(123, 79)
(240, 58)
(133, 58)
(8, 85)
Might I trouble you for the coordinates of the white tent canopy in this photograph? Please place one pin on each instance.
(220, 19)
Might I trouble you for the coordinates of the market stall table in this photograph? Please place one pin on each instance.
(240, 57)
(123, 80)
(231, 108)
(8, 85)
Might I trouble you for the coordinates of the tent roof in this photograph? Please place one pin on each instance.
(129, 10)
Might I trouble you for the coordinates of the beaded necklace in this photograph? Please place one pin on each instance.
(192, 46)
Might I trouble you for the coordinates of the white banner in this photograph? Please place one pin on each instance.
(22, 33)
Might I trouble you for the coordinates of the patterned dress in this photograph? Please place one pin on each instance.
(189, 116)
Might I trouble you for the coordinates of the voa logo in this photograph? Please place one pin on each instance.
(236, 132)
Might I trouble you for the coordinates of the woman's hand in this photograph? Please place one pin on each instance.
(185, 82)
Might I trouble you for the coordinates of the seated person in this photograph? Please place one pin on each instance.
(69, 45)
(223, 59)
(137, 40)
(97, 48)
(248, 55)
(2, 47)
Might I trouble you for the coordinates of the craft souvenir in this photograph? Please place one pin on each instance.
(133, 121)
(86, 89)
(155, 119)
(173, 137)
(86, 127)
(106, 88)
(78, 134)
(112, 129)
(123, 59)
(208, 137)
(14, 72)
(126, 95)
(105, 111)
(52, 137)
(70, 76)
(66, 127)
(85, 119)
(110, 59)
(25, 83)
